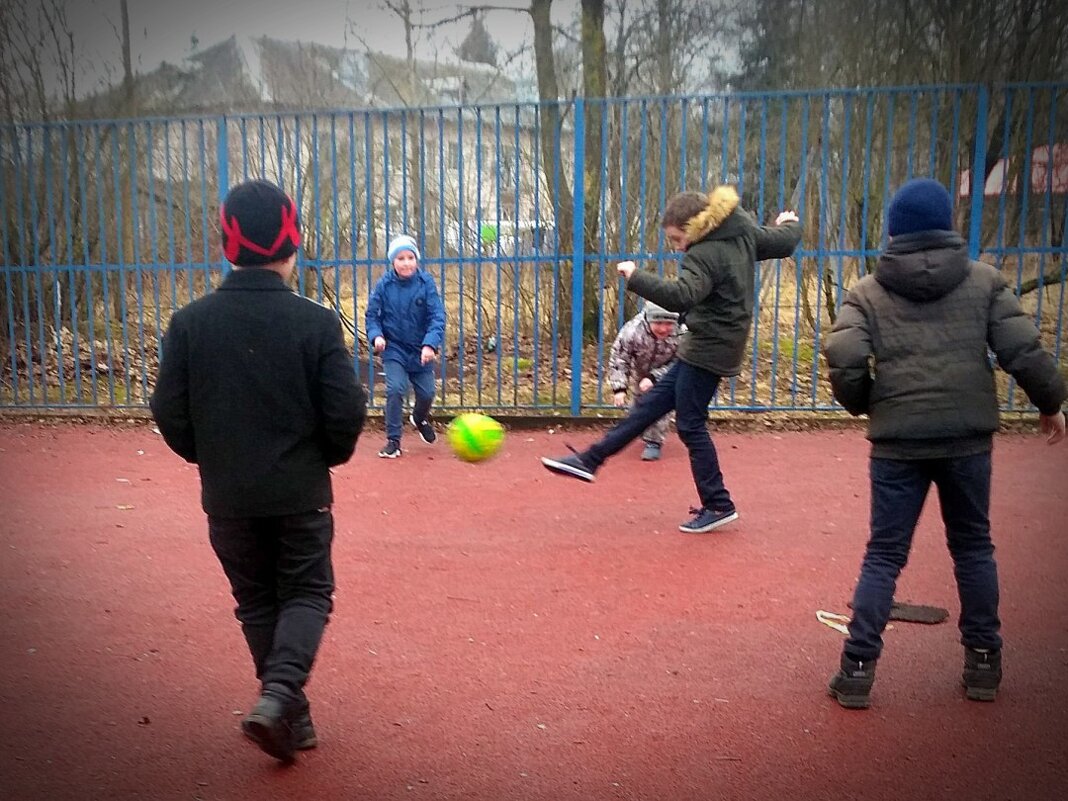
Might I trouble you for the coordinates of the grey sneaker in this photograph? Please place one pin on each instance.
(982, 674)
(651, 452)
(391, 450)
(569, 466)
(851, 685)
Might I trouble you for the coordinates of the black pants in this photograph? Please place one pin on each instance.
(282, 578)
(898, 491)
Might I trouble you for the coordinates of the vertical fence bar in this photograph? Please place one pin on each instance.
(83, 199)
(55, 259)
(975, 223)
(222, 156)
(578, 256)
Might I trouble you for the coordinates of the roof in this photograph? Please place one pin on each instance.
(253, 74)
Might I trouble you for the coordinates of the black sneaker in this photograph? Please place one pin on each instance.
(982, 674)
(270, 726)
(391, 450)
(426, 430)
(851, 685)
(569, 466)
(707, 519)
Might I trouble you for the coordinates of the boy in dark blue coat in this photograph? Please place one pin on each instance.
(405, 322)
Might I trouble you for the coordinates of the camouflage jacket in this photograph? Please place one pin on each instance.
(637, 354)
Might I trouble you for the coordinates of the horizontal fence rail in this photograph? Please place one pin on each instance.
(521, 212)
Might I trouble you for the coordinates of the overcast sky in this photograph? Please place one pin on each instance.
(163, 30)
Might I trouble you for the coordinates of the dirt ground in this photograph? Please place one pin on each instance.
(503, 633)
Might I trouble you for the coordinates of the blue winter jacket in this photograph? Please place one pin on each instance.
(409, 314)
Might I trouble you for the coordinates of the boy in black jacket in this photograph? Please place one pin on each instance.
(714, 288)
(257, 388)
(911, 350)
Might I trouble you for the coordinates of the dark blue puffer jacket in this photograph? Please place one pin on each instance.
(408, 314)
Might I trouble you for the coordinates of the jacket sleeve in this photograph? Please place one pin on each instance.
(342, 401)
(1017, 344)
(620, 361)
(435, 329)
(777, 241)
(372, 318)
(170, 398)
(693, 284)
(848, 350)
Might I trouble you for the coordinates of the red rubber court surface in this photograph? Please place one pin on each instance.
(503, 633)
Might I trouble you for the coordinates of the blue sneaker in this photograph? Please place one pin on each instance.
(569, 466)
(708, 519)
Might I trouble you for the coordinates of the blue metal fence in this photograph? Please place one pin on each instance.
(521, 211)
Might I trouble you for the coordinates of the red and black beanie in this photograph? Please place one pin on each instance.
(259, 224)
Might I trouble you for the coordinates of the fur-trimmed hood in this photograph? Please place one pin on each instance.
(722, 201)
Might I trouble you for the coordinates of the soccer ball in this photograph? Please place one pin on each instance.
(474, 437)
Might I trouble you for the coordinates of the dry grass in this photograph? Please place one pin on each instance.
(507, 337)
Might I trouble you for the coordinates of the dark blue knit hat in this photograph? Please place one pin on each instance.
(921, 204)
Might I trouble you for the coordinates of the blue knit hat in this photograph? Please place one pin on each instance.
(921, 204)
(399, 243)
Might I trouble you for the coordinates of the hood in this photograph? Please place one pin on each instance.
(722, 201)
(923, 266)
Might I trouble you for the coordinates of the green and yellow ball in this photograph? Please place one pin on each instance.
(474, 437)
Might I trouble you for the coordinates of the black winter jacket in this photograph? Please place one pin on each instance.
(715, 282)
(911, 348)
(257, 388)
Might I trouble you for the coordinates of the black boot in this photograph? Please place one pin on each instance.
(304, 736)
(851, 685)
(271, 722)
(982, 674)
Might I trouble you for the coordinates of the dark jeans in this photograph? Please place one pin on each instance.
(898, 490)
(282, 578)
(688, 390)
(397, 381)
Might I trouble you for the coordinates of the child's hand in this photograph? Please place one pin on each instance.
(428, 355)
(379, 344)
(1052, 426)
(619, 399)
(626, 269)
(786, 216)
(645, 384)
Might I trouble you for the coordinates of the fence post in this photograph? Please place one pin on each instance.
(578, 255)
(222, 156)
(978, 187)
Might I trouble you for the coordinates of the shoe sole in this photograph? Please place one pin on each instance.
(850, 701)
(389, 455)
(702, 529)
(650, 458)
(274, 740)
(411, 419)
(973, 693)
(566, 470)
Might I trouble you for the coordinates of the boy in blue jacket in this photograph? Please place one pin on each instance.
(405, 322)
